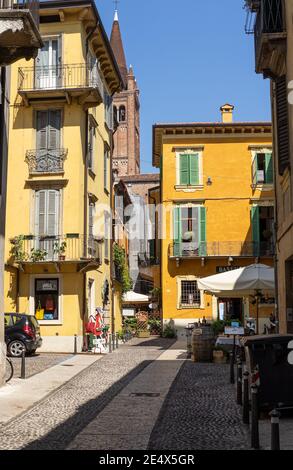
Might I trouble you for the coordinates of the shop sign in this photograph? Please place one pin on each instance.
(47, 285)
(223, 269)
(234, 331)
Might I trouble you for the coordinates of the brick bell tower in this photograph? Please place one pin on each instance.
(126, 156)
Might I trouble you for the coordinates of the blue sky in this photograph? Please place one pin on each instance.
(189, 58)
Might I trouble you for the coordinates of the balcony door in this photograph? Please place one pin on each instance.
(48, 158)
(48, 65)
(189, 231)
(47, 222)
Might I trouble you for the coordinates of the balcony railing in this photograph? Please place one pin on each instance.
(221, 249)
(31, 5)
(59, 77)
(269, 22)
(56, 248)
(46, 160)
(144, 260)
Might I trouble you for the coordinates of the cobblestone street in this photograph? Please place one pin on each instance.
(200, 412)
(126, 400)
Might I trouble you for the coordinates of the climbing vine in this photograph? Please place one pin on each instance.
(122, 268)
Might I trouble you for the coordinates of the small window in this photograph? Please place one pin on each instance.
(263, 168)
(189, 169)
(190, 295)
(122, 114)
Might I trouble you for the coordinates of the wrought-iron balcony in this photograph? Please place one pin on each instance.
(76, 248)
(145, 260)
(19, 30)
(70, 82)
(45, 161)
(220, 249)
(270, 38)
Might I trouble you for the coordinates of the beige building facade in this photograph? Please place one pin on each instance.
(273, 31)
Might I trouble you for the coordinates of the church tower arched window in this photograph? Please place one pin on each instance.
(122, 114)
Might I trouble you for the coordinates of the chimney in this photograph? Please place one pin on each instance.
(227, 113)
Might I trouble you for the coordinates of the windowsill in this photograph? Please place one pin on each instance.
(190, 307)
(263, 186)
(50, 322)
(180, 187)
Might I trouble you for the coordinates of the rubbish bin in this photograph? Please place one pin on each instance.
(269, 354)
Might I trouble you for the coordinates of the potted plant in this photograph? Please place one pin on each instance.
(38, 255)
(60, 250)
(17, 251)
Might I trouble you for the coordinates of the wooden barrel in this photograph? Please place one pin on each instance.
(203, 341)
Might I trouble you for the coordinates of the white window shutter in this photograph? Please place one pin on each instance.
(52, 213)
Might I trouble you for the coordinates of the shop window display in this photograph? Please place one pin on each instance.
(46, 299)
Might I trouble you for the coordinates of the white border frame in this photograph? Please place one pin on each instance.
(202, 298)
(189, 151)
(254, 152)
(33, 277)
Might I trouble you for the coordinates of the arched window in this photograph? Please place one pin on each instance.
(122, 114)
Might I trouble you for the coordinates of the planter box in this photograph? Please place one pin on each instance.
(219, 357)
(143, 334)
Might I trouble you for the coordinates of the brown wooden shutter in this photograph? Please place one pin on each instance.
(282, 123)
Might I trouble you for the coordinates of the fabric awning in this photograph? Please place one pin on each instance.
(240, 282)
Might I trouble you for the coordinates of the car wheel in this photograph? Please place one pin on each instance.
(15, 348)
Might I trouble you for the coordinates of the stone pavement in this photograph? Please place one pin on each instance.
(59, 418)
(145, 395)
(128, 420)
(200, 412)
(38, 363)
(19, 395)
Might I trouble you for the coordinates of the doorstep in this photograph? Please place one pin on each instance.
(19, 395)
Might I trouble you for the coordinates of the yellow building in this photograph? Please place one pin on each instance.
(217, 212)
(58, 233)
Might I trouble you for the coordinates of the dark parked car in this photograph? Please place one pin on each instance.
(21, 331)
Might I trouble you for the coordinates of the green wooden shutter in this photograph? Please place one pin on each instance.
(202, 231)
(269, 169)
(177, 230)
(184, 169)
(255, 230)
(254, 170)
(152, 248)
(194, 169)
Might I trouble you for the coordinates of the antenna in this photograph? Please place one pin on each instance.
(116, 4)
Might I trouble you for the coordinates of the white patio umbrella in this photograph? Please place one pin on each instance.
(256, 279)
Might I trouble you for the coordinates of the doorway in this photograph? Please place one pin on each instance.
(48, 65)
(230, 309)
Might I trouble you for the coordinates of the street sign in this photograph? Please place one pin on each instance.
(234, 331)
(235, 324)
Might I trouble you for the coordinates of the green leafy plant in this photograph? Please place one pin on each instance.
(122, 268)
(60, 248)
(218, 327)
(17, 249)
(38, 255)
(169, 332)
